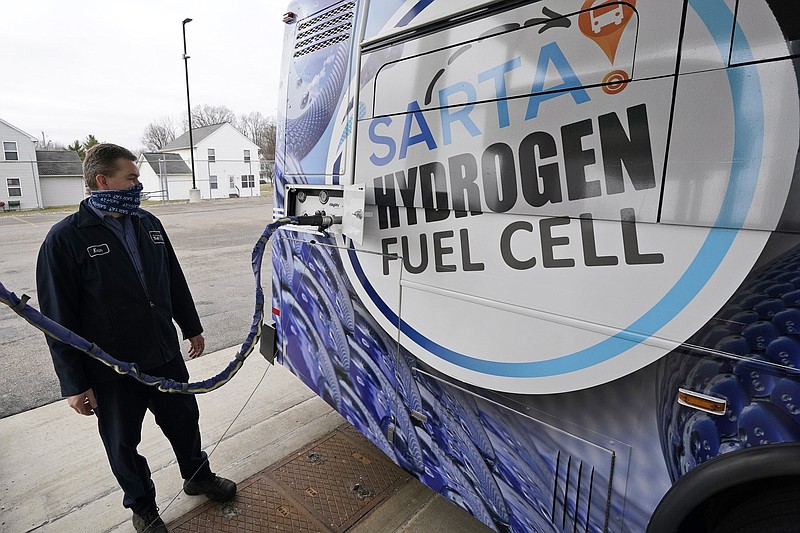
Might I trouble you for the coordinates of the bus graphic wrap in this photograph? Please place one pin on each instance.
(568, 218)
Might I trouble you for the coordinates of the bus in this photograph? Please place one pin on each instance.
(564, 291)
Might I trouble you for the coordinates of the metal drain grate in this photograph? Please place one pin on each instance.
(258, 507)
(326, 487)
(339, 479)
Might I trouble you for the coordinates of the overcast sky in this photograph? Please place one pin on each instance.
(109, 68)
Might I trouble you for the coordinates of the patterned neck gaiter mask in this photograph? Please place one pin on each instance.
(124, 201)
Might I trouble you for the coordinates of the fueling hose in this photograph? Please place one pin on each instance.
(56, 331)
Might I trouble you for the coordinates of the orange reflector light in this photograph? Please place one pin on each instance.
(695, 400)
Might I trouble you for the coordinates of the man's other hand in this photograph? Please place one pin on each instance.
(83, 403)
(196, 346)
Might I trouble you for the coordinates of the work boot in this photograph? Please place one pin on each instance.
(215, 488)
(149, 522)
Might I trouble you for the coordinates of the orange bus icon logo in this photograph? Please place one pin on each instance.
(604, 21)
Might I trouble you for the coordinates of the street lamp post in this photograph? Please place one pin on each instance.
(194, 192)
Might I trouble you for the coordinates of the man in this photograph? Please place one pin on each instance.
(108, 272)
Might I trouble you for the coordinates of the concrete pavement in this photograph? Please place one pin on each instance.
(55, 476)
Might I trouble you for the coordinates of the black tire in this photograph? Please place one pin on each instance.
(770, 510)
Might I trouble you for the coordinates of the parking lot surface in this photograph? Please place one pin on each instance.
(213, 241)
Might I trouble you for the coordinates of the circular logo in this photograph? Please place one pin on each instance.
(615, 81)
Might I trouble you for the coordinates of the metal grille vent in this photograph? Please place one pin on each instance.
(324, 35)
(325, 16)
(333, 22)
(320, 46)
(580, 496)
(325, 30)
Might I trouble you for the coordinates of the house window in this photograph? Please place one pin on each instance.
(212, 180)
(14, 186)
(248, 181)
(246, 156)
(212, 155)
(10, 151)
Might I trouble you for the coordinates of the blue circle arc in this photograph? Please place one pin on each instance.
(747, 154)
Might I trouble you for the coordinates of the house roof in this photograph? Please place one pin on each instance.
(198, 134)
(173, 163)
(59, 163)
(32, 138)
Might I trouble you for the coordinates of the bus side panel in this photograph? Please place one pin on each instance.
(514, 463)
(316, 74)
(544, 463)
(535, 461)
(748, 354)
(473, 445)
(527, 470)
(757, 334)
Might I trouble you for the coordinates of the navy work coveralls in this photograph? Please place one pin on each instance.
(87, 282)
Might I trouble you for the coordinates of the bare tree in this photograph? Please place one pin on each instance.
(253, 125)
(52, 146)
(206, 115)
(270, 138)
(260, 130)
(159, 133)
(49, 144)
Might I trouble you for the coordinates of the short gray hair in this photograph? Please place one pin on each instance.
(102, 159)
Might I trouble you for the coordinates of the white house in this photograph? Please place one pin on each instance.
(164, 176)
(19, 176)
(226, 162)
(60, 177)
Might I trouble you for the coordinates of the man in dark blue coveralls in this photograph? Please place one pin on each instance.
(108, 272)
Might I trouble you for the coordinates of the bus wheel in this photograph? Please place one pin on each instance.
(775, 509)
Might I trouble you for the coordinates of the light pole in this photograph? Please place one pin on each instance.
(194, 193)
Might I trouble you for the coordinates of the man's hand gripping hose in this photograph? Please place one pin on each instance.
(58, 332)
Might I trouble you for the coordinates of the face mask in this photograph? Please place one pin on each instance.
(124, 201)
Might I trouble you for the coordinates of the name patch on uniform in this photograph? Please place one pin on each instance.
(98, 249)
(156, 237)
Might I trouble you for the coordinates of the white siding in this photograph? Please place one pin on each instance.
(27, 180)
(179, 185)
(176, 185)
(147, 177)
(24, 168)
(62, 191)
(229, 146)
